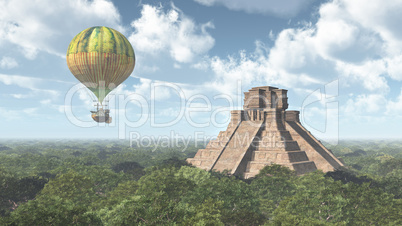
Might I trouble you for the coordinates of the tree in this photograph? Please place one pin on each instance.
(240, 204)
(123, 191)
(273, 184)
(14, 191)
(71, 186)
(157, 200)
(348, 176)
(7, 185)
(129, 167)
(339, 203)
(53, 210)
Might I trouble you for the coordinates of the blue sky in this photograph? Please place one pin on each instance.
(340, 60)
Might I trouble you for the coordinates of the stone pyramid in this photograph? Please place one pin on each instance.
(265, 133)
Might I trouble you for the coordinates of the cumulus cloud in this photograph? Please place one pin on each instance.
(342, 43)
(380, 17)
(49, 26)
(374, 106)
(8, 63)
(394, 67)
(13, 115)
(394, 108)
(32, 84)
(158, 90)
(21, 81)
(46, 101)
(284, 8)
(293, 49)
(254, 69)
(19, 96)
(369, 75)
(157, 31)
(365, 103)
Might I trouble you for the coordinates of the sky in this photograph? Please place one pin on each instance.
(340, 60)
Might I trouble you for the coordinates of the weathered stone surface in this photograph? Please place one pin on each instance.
(265, 133)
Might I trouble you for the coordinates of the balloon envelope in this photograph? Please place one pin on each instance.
(101, 58)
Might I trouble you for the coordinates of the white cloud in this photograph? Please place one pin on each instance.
(284, 8)
(381, 17)
(254, 69)
(19, 96)
(340, 36)
(355, 41)
(170, 112)
(8, 63)
(369, 74)
(394, 108)
(86, 97)
(9, 114)
(162, 90)
(12, 115)
(143, 87)
(32, 84)
(341, 43)
(21, 81)
(48, 25)
(202, 65)
(294, 48)
(46, 101)
(363, 104)
(166, 90)
(157, 31)
(394, 66)
(30, 111)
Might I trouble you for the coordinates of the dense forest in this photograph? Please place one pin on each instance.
(107, 182)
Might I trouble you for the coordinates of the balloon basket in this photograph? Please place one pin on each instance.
(101, 115)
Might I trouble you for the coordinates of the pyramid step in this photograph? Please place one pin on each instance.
(307, 139)
(224, 135)
(233, 155)
(279, 156)
(273, 125)
(277, 134)
(205, 164)
(209, 153)
(271, 145)
(216, 144)
(253, 168)
(303, 167)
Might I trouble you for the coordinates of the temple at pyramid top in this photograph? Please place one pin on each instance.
(265, 97)
(265, 133)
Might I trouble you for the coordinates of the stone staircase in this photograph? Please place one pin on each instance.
(206, 158)
(277, 146)
(315, 151)
(238, 146)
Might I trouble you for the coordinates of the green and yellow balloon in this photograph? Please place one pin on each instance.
(101, 58)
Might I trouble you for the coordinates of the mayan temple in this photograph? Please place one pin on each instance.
(265, 133)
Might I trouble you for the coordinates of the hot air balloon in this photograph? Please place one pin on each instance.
(101, 58)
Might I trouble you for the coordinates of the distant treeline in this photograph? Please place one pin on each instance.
(91, 182)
